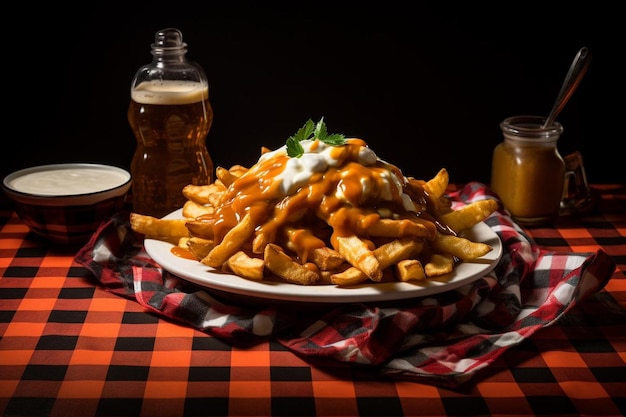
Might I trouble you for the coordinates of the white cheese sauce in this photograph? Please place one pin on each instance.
(318, 157)
(72, 181)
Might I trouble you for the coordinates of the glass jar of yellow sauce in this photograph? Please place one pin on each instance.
(527, 170)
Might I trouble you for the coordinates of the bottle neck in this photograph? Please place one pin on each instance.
(168, 46)
(169, 58)
(169, 63)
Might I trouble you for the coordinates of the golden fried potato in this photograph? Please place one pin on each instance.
(199, 247)
(469, 215)
(232, 242)
(396, 228)
(204, 194)
(437, 185)
(281, 264)
(200, 227)
(192, 210)
(238, 170)
(326, 259)
(158, 228)
(439, 264)
(358, 253)
(410, 270)
(386, 254)
(226, 176)
(460, 247)
(245, 266)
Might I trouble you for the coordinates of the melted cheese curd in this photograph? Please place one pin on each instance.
(329, 191)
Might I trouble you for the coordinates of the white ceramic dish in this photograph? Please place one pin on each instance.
(71, 184)
(208, 277)
(66, 203)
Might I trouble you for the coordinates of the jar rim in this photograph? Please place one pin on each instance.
(530, 126)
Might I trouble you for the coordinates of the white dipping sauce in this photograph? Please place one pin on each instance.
(70, 181)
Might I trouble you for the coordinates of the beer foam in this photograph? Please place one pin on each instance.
(169, 92)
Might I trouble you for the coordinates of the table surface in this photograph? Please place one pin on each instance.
(71, 348)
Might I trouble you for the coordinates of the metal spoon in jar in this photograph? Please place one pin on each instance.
(572, 79)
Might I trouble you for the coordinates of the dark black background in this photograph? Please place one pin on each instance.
(426, 84)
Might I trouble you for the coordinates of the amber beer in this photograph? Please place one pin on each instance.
(171, 120)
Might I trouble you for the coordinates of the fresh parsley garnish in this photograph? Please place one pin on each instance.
(312, 131)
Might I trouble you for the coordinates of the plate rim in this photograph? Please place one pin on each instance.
(208, 277)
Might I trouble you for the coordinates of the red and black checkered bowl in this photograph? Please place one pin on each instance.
(65, 203)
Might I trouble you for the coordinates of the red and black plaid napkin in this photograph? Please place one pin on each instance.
(443, 339)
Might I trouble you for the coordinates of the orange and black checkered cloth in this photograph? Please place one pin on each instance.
(442, 340)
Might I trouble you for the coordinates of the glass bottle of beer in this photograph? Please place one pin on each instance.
(170, 116)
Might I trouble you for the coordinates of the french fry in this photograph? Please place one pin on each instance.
(439, 264)
(281, 264)
(199, 247)
(325, 277)
(245, 266)
(469, 215)
(460, 247)
(326, 259)
(226, 176)
(437, 185)
(261, 240)
(396, 250)
(348, 277)
(192, 210)
(357, 253)
(395, 228)
(301, 241)
(233, 240)
(238, 170)
(158, 228)
(204, 194)
(386, 254)
(200, 227)
(410, 270)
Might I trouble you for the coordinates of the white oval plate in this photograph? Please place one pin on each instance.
(198, 273)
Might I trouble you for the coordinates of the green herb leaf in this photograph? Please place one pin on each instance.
(305, 131)
(312, 131)
(335, 139)
(320, 130)
(294, 149)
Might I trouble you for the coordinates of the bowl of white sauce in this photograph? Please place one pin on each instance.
(66, 203)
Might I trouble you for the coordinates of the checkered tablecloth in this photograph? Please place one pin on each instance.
(71, 345)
